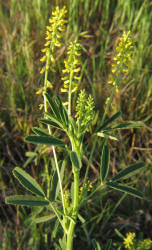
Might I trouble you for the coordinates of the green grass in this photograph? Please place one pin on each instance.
(22, 29)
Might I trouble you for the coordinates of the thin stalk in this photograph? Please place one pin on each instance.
(108, 104)
(89, 163)
(54, 209)
(53, 148)
(112, 94)
(75, 212)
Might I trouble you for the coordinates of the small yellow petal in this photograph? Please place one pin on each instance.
(39, 92)
(42, 70)
(63, 90)
(43, 59)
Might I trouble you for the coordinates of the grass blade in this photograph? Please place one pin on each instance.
(96, 245)
(105, 159)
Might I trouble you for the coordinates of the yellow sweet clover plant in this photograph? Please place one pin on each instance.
(120, 66)
(131, 242)
(74, 124)
(122, 59)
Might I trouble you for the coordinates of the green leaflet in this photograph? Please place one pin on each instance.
(75, 160)
(127, 125)
(52, 122)
(108, 136)
(44, 218)
(62, 111)
(26, 200)
(128, 172)
(110, 120)
(126, 189)
(104, 166)
(39, 131)
(28, 181)
(53, 106)
(46, 140)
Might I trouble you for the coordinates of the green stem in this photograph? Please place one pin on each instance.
(108, 104)
(112, 94)
(88, 166)
(55, 211)
(47, 174)
(53, 148)
(75, 212)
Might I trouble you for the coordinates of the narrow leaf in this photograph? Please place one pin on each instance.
(39, 131)
(51, 123)
(62, 166)
(126, 189)
(53, 106)
(28, 181)
(54, 119)
(54, 183)
(75, 160)
(108, 136)
(31, 154)
(26, 200)
(55, 187)
(110, 120)
(44, 218)
(105, 159)
(96, 245)
(129, 171)
(84, 226)
(62, 110)
(126, 126)
(46, 140)
(108, 245)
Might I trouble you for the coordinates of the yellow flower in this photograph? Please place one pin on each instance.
(129, 240)
(72, 67)
(54, 33)
(122, 59)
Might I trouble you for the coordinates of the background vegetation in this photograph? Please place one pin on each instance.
(22, 29)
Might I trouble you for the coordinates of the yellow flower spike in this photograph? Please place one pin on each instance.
(47, 43)
(122, 59)
(53, 35)
(52, 59)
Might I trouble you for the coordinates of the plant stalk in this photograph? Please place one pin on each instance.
(70, 233)
(53, 148)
